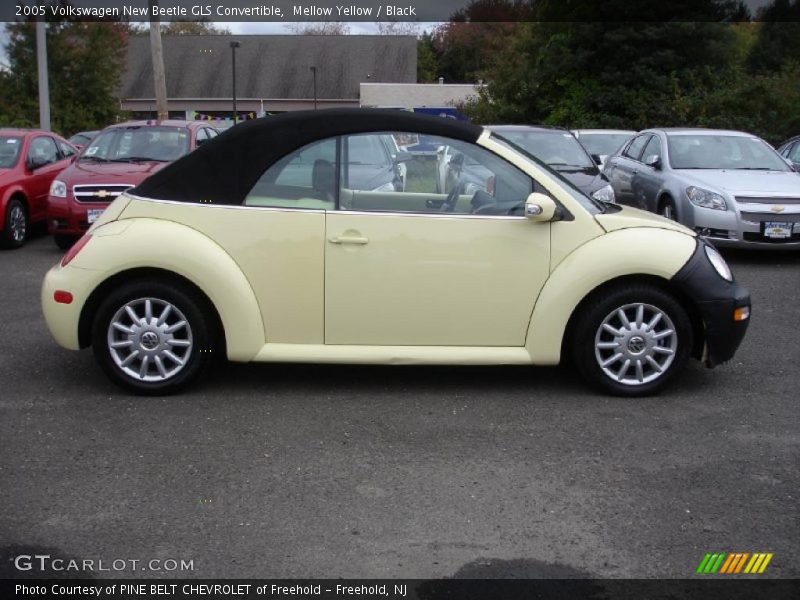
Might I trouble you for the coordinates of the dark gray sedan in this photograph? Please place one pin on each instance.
(730, 186)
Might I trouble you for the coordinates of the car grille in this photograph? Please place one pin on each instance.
(99, 193)
(767, 200)
(770, 216)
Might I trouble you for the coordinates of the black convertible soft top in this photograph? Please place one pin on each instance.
(223, 170)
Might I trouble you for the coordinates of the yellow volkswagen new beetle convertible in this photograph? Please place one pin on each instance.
(307, 237)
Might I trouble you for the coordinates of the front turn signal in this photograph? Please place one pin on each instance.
(741, 314)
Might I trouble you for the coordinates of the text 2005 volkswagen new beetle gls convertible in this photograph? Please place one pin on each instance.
(293, 239)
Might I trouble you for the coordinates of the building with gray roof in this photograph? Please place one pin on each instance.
(273, 72)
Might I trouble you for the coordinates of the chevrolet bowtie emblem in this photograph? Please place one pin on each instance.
(104, 193)
(778, 209)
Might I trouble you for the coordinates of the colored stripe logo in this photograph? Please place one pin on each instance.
(734, 563)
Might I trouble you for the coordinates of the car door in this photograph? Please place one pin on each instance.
(623, 167)
(401, 271)
(44, 151)
(648, 181)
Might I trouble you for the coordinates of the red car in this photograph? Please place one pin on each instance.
(119, 158)
(29, 161)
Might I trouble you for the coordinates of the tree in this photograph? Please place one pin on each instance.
(398, 28)
(778, 36)
(85, 61)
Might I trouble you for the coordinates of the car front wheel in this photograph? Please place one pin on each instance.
(152, 338)
(632, 340)
(15, 227)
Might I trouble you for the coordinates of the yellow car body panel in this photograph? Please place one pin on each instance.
(603, 259)
(432, 280)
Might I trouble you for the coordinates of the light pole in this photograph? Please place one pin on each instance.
(44, 87)
(234, 46)
(314, 71)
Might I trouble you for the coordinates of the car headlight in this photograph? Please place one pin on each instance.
(604, 194)
(58, 189)
(719, 264)
(386, 187)
(706, 198)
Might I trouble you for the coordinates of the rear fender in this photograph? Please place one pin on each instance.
(176, 248)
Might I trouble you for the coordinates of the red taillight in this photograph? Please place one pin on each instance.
(73, 252)
(62, 297)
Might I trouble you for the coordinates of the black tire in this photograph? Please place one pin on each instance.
(16, 227)
(186, 303)
(666, 208)
(65, 242)
(634, 345)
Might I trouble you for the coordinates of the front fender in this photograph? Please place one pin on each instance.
(634, 251)
(159, 244)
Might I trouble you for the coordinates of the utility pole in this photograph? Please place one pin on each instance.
(234, 46)
(44, 84)
(157, 54)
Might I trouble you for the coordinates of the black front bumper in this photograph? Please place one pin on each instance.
(715, 299)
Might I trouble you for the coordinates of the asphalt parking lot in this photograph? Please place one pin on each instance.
(332, 471)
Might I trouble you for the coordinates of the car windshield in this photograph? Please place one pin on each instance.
(9, 151)
(133, 144)
(559, 149)
(603, 144)
(711, 151)
(590, 204)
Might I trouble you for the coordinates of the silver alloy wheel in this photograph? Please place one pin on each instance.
(17, 222)
(636, 344)
(150, 339)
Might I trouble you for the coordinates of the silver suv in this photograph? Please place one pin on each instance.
(730, 186)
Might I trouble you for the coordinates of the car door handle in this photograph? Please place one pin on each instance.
(349, 239)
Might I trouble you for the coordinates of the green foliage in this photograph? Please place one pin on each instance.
(85, 62)
(635, 75)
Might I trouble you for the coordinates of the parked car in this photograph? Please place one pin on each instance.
(729, 186)
(29, 161)
(79, 140)
(118, 158)
(790, 150)
(602, 143)
(214, 255)
(556, 147)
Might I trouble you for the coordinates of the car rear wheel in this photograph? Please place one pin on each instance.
(632, 340)
(153, 338)
(65, 242)
(15, 225)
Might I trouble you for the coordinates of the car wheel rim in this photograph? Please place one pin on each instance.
(150, 340)
(636, 344)
(668, 213)
(17, 223)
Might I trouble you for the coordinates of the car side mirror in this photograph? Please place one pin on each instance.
(540, 208)
(403, 156)
(654, 160)
(597, 159)
(35, 162)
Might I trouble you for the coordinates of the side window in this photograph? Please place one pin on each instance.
(212, 133)
(471, 181)
(306, 178)
(794, 153)
(66, 150)
(43, 151)
(201, 136)
(634, 150)
(653, 148)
